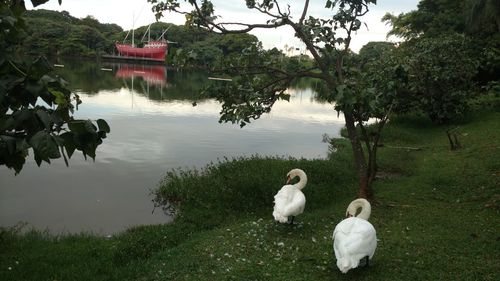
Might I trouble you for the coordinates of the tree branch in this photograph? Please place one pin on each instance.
(220, 26)
(271, 70)
(329, 79)
(304, 12)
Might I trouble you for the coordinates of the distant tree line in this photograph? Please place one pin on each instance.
(54, 33)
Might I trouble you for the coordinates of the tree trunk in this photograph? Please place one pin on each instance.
(364, 190)
(372, 168)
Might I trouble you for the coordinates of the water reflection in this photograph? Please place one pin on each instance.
(154, 128)
(152, 74)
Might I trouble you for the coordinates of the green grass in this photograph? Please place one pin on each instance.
(437, 218)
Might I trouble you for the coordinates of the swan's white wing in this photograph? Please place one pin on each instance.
(296, 205)
(281, 199)
(289, 201)
(354, 239)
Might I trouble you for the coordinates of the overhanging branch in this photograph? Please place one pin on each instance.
(221, 27)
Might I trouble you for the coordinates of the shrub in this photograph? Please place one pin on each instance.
(220, 191)
(441, 75)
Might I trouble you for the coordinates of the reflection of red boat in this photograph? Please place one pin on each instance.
(153, 74)
(154, 50)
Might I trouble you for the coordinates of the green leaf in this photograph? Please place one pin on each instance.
(77, 126)
(61, 99)
(44, 117)
(284, 96)
(10, 142)
(44, 146)
(68, 143)
(22, 145)
(38, 159)
(39, 68)
(22, 116)
(103, 125)
(35, 88)
(7, 123)
(81, 126)
(40, 2)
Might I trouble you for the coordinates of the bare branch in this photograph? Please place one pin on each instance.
(304, 12)
(248, 27)
(222, 29)
(279, 9)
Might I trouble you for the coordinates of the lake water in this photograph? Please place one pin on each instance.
(154, 128)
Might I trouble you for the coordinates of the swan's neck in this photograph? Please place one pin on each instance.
(302, 180)
(365, 206)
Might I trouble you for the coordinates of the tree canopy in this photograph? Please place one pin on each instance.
(260, 77)
(451, 48)
(36, 109)
(434, 71)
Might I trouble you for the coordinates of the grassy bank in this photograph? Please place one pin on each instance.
(437, 218)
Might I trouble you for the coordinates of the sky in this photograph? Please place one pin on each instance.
(137, 13)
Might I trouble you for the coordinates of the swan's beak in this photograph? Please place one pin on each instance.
(288, 179)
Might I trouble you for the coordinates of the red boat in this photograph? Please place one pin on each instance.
(154, 50)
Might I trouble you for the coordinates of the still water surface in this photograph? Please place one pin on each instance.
(154, 128)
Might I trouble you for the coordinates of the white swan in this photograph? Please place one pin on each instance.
(290, 201)
(354, 238)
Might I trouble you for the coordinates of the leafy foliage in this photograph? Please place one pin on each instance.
(206, 53)
(433, 17)
(259, 78)
(483, 15)
(452, 46)
(35, 108)
(442, 71)
(252, 91)
(53, 33)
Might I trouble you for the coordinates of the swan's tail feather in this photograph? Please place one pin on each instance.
(280, 218)
(345, 264)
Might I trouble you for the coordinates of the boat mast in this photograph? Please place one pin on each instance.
(133, 30)
(148, 32)
(161, 36)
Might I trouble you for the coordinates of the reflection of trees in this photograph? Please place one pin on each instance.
(181, 85)
(315, 85)
(186, 85)
(89, 77)
(304, 83)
